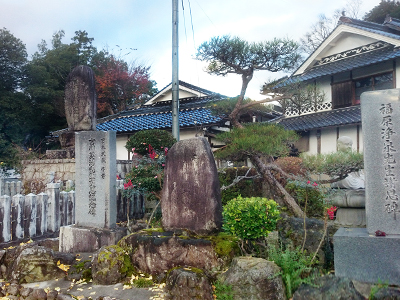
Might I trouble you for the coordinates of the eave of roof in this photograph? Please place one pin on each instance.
(377, 31)
(346, 64)
(160, 120)
(332, 118)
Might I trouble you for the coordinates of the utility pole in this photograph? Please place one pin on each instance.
(175, 69)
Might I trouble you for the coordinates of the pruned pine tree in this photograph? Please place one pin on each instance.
(259, 142)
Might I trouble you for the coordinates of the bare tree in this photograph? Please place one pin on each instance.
(320, 30)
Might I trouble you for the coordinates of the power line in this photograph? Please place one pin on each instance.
(191, 21)
(184, 20)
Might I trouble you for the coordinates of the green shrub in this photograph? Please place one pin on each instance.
(246, 187)
(222, 291)
(310, 192)
(158, 139)
(295, 267)
(250, 218)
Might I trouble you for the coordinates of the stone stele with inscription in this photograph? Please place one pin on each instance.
(80, 99)
(372, 254)
(95, 179)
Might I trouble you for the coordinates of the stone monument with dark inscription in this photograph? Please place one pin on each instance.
(80, 99)
(191, 194)
(95, 164)
(371, 254)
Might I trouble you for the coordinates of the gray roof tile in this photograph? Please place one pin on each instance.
(332, 118)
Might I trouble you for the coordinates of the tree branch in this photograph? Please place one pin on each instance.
(240, 178)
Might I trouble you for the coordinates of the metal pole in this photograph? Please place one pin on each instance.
(175, 68)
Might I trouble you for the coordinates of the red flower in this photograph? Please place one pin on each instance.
(308, 182)
(128, 185)
(331, 212)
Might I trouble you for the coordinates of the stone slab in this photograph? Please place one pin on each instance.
(380, 115)
(365, 257)
(96, 179)
(74, 239)
(191, 196)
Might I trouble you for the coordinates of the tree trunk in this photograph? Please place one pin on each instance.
(284, 199)
(234, 115)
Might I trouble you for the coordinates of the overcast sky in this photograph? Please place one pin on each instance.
(146, 25)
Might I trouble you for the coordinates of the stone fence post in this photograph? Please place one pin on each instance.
(53, 203)
(30, 212)
(5, 220)
(71, 208)
(42, 211)
(17, 216)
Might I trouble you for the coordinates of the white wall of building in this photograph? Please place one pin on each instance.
(328, 140)
(348, 42)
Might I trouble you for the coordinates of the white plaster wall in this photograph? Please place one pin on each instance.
(182, 94)
(349, 41)
(328, 140)
(122, 152)
(324, 84)
(313, 142)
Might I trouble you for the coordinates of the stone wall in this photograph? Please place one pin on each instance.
(64, 169)
(38, 170)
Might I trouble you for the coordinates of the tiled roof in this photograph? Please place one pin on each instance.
(332, 118)
(192, 112)
(390, 28)
(347, 64)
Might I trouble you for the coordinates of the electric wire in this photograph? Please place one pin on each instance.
(184, 20)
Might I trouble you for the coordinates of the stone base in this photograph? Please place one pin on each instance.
(351, 217)
(75, 239)
(367, 258)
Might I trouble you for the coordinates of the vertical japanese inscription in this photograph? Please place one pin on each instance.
(389, 161)
(92, 176)
(103, 161)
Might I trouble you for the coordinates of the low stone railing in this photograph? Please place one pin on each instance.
(35, 215)
(10, 188)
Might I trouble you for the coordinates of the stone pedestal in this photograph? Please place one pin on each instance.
(365, 257)
(351, 208)
(76, 239)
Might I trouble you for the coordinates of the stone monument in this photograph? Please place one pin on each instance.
(371, 254)
(95, 163)
(191, 195)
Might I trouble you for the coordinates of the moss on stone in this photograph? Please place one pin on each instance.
(120, 257)
(225, 245)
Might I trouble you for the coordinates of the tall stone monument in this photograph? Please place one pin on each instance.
(191, 194)
(371, 254)
(95, 164)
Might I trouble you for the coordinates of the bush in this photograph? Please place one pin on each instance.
(295, 265)
(310, 192)
(291, 165)
(158, 139)
(246, 187)
(250, 218)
